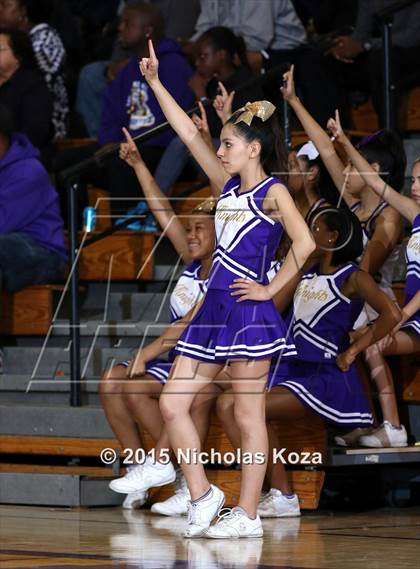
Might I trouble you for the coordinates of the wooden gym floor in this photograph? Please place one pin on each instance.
(112, 538)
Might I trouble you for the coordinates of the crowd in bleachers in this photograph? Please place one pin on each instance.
(71, 69)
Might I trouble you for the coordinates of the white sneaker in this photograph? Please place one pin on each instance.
(176, 505)
(135, 500)
(200, 514)
(386, 435)
(352, 439)
(143, 477)
(276, 505)
(235, 523)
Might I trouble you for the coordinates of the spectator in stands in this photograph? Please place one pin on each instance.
(250, 19)
(363, 50)
(274, 35)
(129, 102)
(179, 20)
(31, 16)
(23, 90)
(32, 248)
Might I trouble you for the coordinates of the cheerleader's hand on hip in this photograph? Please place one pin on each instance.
(149, 66)
(137, 366)
(247, 289)
(345, 360)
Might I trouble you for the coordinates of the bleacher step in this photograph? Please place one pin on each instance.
(71, 490)
(54, 420)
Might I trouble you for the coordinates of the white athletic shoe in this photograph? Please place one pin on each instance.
(144, 476)
(386, 435)
(235, 523)
(276, 505)
(352, 439)
(176, 505)
(135, 500)
(201, 513)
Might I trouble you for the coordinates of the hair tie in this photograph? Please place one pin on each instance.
(369, 138)
(261, 109)
(207, 206)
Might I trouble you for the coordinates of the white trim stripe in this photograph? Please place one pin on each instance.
(300, 325)
(325, 410)
(258, 211)
(241, 233)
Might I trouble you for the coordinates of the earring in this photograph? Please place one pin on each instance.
(329, 240)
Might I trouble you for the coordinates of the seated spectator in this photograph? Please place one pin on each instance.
(23, 90)
(250, 19)
(179, 19)
(129, 102)
(31, 16)
(32, 249)
(363, 50)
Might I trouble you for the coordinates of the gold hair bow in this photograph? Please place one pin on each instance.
(207, 206)
(261, 109)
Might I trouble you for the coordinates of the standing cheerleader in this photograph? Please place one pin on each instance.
(237, 320)
(323, 378)
(405, 338)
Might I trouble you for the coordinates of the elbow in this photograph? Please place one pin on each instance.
(310, 246)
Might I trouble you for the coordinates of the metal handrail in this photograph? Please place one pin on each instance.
(385, 18)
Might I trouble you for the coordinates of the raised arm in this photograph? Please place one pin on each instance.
(316, 134)
(181, 122)
(156, 199)
(404, 205)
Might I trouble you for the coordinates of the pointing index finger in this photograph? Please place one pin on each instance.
(128, 137)
(152, 50)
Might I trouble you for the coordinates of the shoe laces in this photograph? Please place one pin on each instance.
(135, 472)
(226, 515)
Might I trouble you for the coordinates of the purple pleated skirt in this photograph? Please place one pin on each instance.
(224, 329)
(338, 397)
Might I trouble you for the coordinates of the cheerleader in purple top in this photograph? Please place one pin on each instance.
(250, 216)
(322, 379)
(382, 223)
(405, 338)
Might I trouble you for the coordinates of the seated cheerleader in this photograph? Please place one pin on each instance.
(129, 404)
(405, 338)
(381, 223)
(323, 379)
(237, 320)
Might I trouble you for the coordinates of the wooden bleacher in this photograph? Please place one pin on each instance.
(305, 435)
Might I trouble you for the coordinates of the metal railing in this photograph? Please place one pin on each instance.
(385, 18)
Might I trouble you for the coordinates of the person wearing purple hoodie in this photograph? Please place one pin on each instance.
(129, 102)
(32, 248)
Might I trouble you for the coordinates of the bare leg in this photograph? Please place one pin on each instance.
(248, 384)
(402, 343)
(141, 397)
(187, 378)
(281, 403)
(111, 389)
